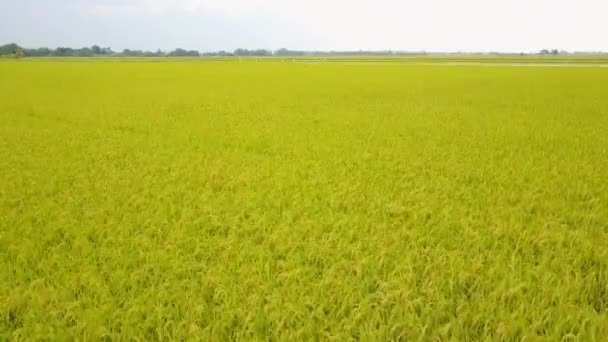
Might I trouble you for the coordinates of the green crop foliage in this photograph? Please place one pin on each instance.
(270, 200)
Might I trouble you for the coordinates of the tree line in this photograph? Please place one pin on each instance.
(15, 51)
(93, 51)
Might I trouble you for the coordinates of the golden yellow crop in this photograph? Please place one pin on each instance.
(302, 201)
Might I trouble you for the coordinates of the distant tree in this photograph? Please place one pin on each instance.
(286, 52)
(84, 52)
(107, 51)
(19, 54)
(544, 52)
(184, 53)
(96, 50)
(554, 52)
(281, 52)
(262, 53)
(241, 52)
(40, 52)
(63, 52)
(132, 53)
(258, 52)
(9, 49)
(177, 53)
(220, 53)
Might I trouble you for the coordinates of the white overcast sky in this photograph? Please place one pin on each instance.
(208, 25)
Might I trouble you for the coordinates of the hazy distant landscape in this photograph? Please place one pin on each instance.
(269, 170)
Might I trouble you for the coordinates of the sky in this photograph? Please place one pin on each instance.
(406, 25)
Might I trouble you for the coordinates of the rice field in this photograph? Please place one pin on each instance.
(275, 201)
